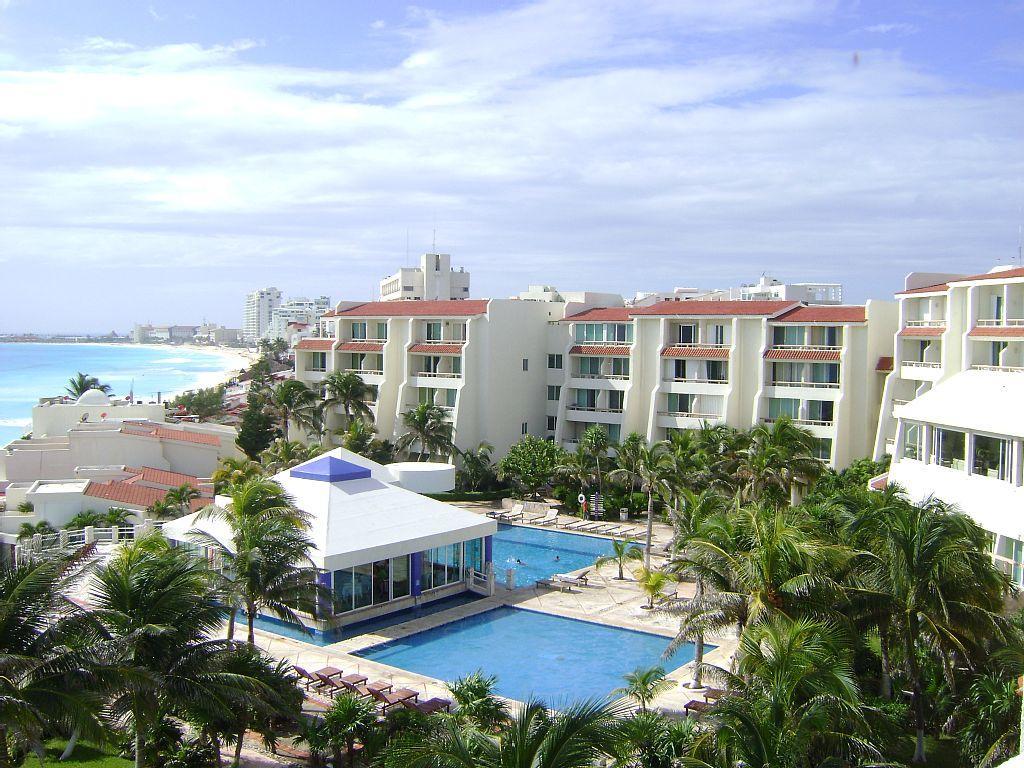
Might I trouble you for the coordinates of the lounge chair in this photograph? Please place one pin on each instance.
(391, 698)
(582, 578)
(428, 707)
(604, 528)
(713, 694)
(364, 689)
(572, 581)
(576, 524)
(307, 678)
(345, 684)
(545, 519)
(513, 514)
(561, 586)
(697, 707)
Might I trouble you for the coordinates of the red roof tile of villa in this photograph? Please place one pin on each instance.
(884, 364)
(361, 346)
(937, 288)
(620, 314)
(135, 495)
(161, 476)
(696, 308)
(162, 433)
(448, 308)
(802, 354)
(703, 353)
(599, 349)
(924, 330)
(320, 345)
(825, 314)
(1000, 332)
(453, 348)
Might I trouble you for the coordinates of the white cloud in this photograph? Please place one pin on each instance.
(553, 142)
(898, 28)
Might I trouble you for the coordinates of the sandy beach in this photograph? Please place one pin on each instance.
(234, 361)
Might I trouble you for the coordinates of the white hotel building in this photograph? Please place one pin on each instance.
(552, 364)
(675, 364)
(953, 405)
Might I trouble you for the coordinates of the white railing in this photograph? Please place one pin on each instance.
(1005, 368)
(807, 347)
(802, 422)
(689, 344)
(608, 343)
(438, 374)
(1009, 322)
(612, 376)
(27, 548)
(811, 384)
(925, 323)
(441, 341)
(690, 414)
(592, 409)
(920, 364)
(683, 380)
(365, 371)
(360, 341)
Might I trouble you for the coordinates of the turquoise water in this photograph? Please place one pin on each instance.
(552, 658)
(542, 553)
(31, 371)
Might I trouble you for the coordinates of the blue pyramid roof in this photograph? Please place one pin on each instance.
(330, 469)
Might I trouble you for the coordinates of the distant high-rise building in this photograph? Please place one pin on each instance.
(298, 309)
(433, 280)
(259, 312)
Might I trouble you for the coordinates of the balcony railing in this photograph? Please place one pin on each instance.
(920, 364)
(1005, 368)
(439, 374)
(605, 343)
(441, 341)
(698, 344)
(592, 409)
(687, 380)
(365, 371)
(371, 341)
(925, 323)
(811, 384)
(1001, 323)
(610, 376)
(832, 347)
(690, 414)
(803, 422)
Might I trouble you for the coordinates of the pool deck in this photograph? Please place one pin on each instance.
(605, 600)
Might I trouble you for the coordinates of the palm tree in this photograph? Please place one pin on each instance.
(426, 425)
(577, 469)
(116, 517)
(647, 470)
(81, 383)
(84, 519)
(161, 509)
(478, 472)
(931, 565)
(25, 508)
(575, 737)
(347, 390)
(779, 456)
(692, 519)
(156, 608)
(357, 436)
(594, 445)
(622, 553)
(266, 553)
(53, 680)
(476, 703)
(285, 454)
(645, 685)
(232, 471)
(652, 584)
(650, 740)
(292, 401)
(181, 498)
(29, 530)
(348, 719)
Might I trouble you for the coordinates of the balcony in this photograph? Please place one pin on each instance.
(807, 384)
(925, 324)
(808, 347)
(692, 380)
(607, 376)
(920, 364)
(1001, 323)
(803, 422)
(441, 341)
(365, 371)
(1003, 368)
(689, 415)
(438, 374)
(592, 409)
(689, 344)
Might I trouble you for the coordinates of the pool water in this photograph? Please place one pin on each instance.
(555, 659)
(536, 553)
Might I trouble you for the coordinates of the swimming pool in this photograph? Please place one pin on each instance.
(553, 658)
(542, 553)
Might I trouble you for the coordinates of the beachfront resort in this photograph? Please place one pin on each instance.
(683, 500)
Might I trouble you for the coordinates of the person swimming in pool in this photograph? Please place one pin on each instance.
(518, 561)
(557, 558)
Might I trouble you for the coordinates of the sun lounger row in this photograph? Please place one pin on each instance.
(516, 513)
(331, 681)
(603, 528)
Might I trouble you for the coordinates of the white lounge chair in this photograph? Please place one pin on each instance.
(513, 514)
(576, 581)
(576, 524)
(548, 518)
(561, 586)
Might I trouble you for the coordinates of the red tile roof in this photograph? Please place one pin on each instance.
(1005, 273)
(831, 355)
(824, 314)
(695, 308)
(704, 353)
(924, 330)
(161, 477)
(1007, 332)
(451, 308)
(163, 433)
(879, 483)
(937, 288)
(361, 346)
(135, 495)
(319, 345)
(619, 314)
(599, 349)
(884, 364)
(454, 348)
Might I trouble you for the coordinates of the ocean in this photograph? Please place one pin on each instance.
(31, 371)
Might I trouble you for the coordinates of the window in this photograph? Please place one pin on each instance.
(554, 392)
(618, 332)
(355, 361)
(526, 364)
(552, 423)
(358, 330)
(718, 334)
(475, 554)
(825, 373)
(555, 362)
(681, 403)
(590, 366)
(949, 448)
(996, 352)
(822, 448)
(679, 369)
(457, 365)
(620, 367)
(431, 363)
(525, 430)
(614, 432)
(820, 410)
(434, 331)
(449, 397)
(913, 438)
(991, 457)
(788, 335)
(317, 361)
(441, 566)
(400, 581)
(832, 336)
(382, 331)
(381, 582)
(586, 398)
(718, 370)
(458, 332)
(687, 334)
(615, 400)
(362, 586)
(922, 350)
(1008, 556)
(783, 406)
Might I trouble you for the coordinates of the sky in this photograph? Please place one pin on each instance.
(160, 159)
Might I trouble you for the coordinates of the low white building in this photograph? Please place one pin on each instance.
(56, 415)
(378, 547)
(433, 280)
(951, 416)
